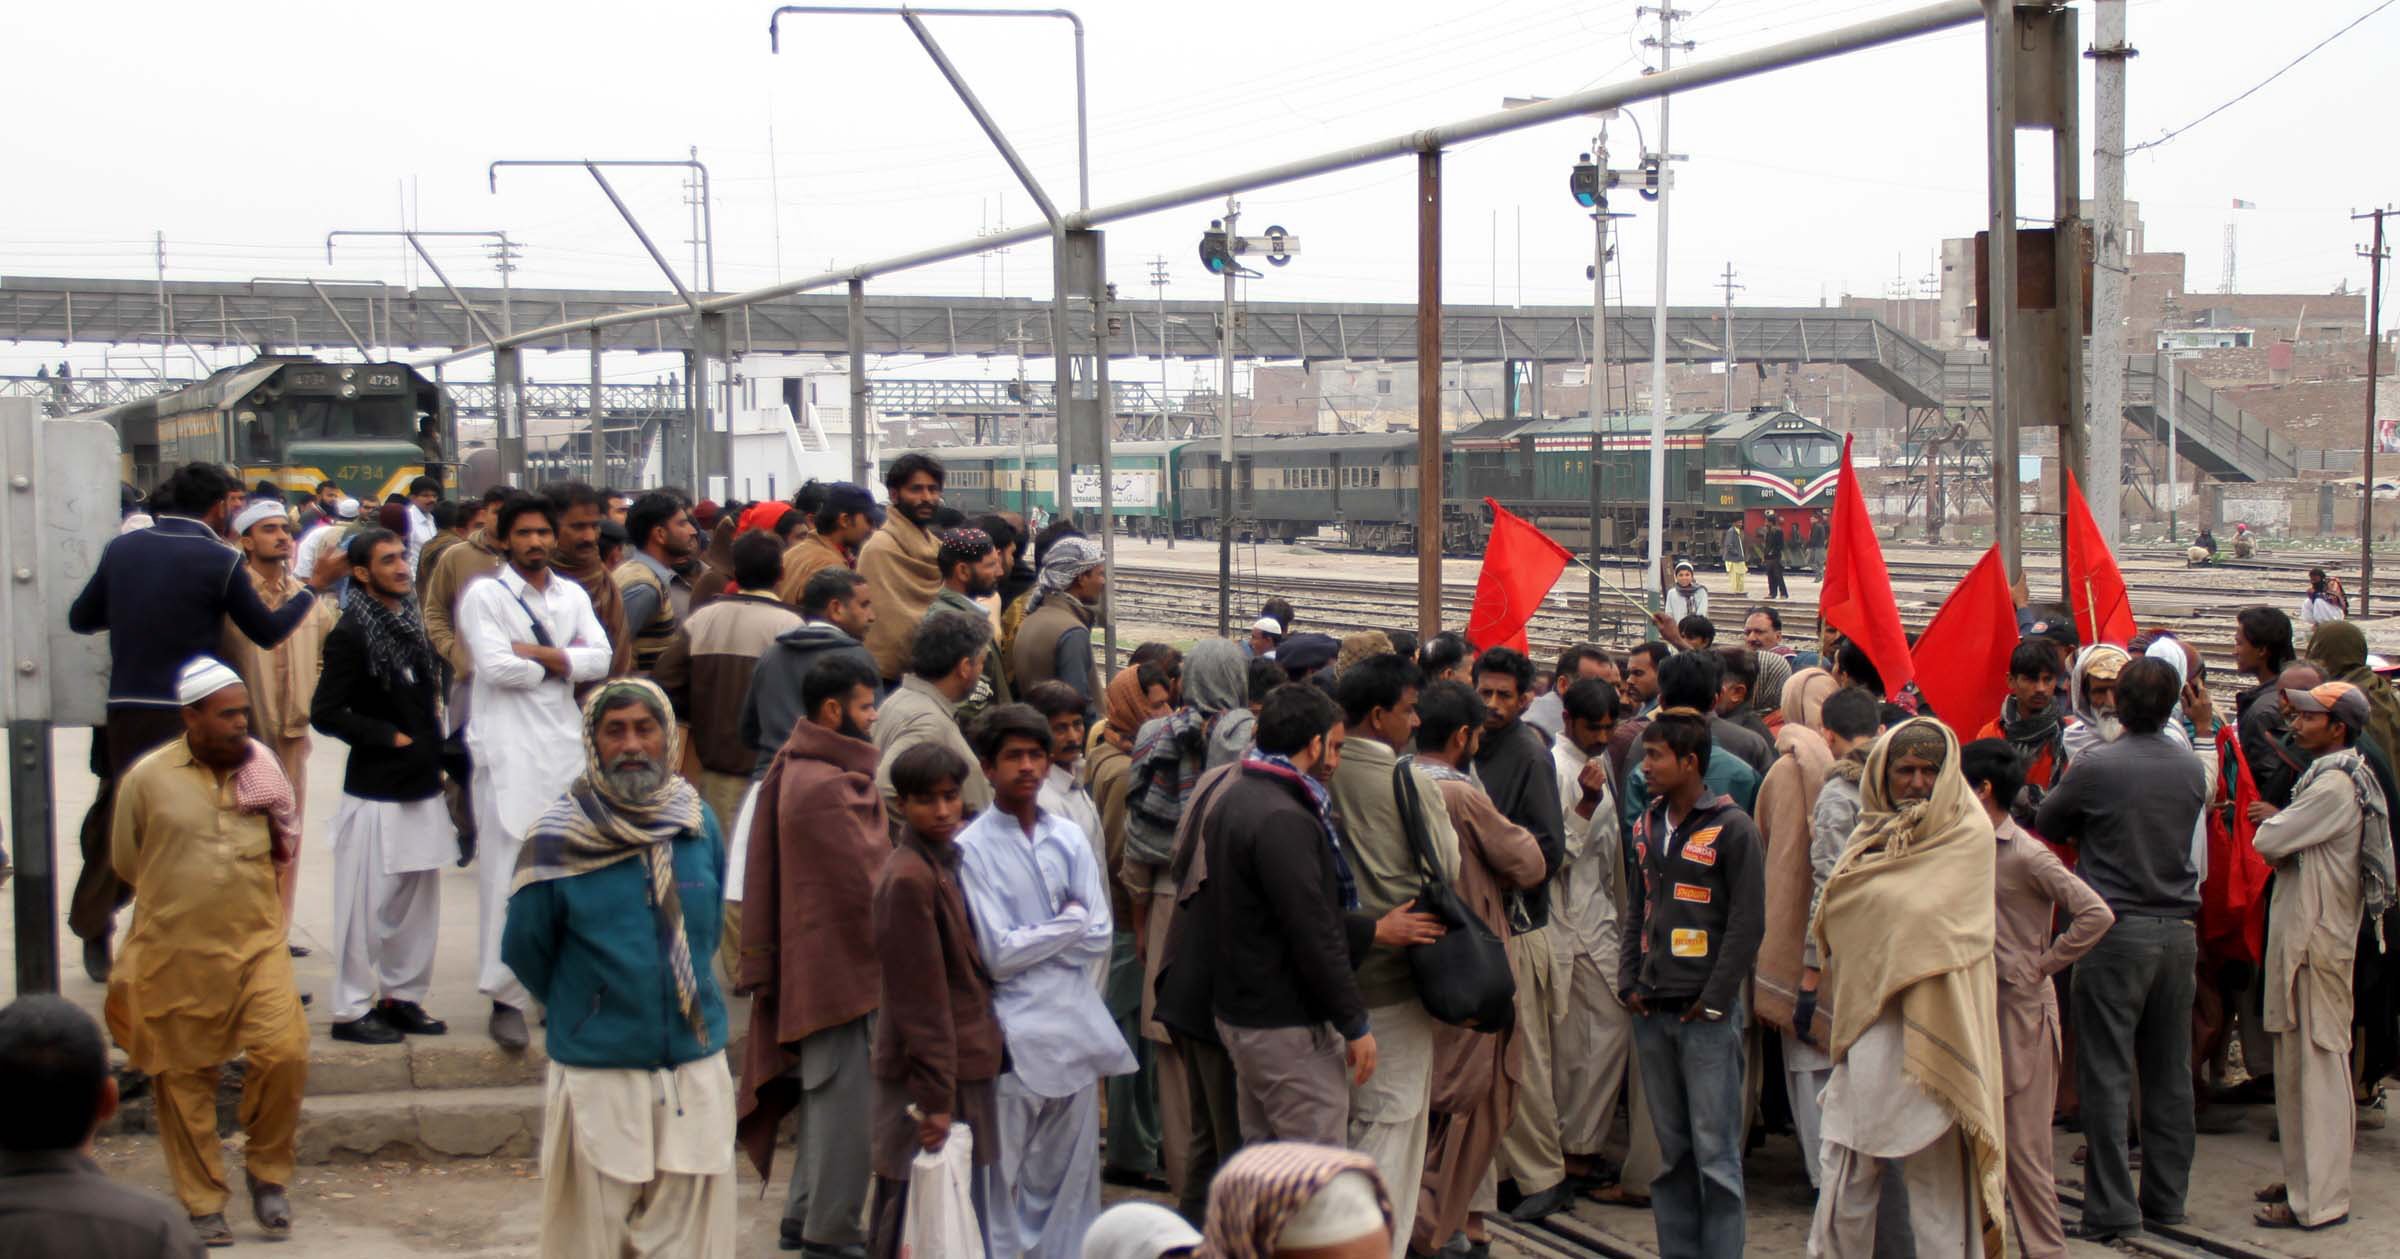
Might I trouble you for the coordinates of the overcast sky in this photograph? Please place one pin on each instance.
(245, 132)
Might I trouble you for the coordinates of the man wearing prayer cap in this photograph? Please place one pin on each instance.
(163, 595)
(614, 915)
(282, 678)
(1055, 642)
(201, 825)
(1292, 1198)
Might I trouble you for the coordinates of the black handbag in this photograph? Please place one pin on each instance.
(1463, 978)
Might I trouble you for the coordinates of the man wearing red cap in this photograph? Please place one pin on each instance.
(2332, 853)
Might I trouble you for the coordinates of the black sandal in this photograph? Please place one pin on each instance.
(273, 1209)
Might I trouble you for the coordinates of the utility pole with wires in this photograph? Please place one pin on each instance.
(504, 261)
(161, 246)
(1667, 45)
(1158, 281)
(1727, 284)
(1024, 431)
(2374, 254)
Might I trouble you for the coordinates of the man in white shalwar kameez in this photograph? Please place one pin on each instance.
(2316, 845)
(532, 637)
(1916, 1037)
(380, 692)
(1041, 917)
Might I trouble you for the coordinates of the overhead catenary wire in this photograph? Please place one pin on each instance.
(2254, 89)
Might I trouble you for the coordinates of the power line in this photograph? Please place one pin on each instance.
(2320, 44)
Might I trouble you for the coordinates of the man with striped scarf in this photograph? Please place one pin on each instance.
(615, 902)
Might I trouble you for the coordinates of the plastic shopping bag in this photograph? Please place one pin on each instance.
(940, 1223)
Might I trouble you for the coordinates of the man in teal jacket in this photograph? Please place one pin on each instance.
(612, 925)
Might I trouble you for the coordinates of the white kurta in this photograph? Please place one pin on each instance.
(1872, 1111)
(526, 732)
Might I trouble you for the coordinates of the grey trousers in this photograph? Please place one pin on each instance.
(830, 1171)
(1293, 1082)
(2133, 1028)
(1692, 1076)
(1133, 1118)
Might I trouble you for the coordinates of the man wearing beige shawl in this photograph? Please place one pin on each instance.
(1916, 1035)
(1787, 801)
(899, 561)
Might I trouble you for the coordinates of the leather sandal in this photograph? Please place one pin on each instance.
(273, 1209)
(2277, 1192)
(2279, 1215)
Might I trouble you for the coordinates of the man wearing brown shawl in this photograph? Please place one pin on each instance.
(1475, 1073)
(899, 561)
(1916, 1036)
(808, 957)
(1787, 800)
(578, 508)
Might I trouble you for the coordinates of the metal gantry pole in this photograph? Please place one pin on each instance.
(1597, 395)
(1429, 392)
(1658, 331)
(1876, 32)
(598, 472)
(862, 453)
(1233, 211)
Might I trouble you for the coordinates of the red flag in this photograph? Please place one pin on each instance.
(2095, 589)
(1856, 597)
(1520, 564)
(1962, 658)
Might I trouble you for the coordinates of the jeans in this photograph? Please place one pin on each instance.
(2133, 1021)
(1692, 1074)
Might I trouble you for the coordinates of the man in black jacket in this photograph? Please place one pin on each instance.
(1695, 913)
(836, 607)
(381, 694)
(163, 595)
(1286, 933)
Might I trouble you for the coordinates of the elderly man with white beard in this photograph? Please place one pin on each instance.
(613, 920)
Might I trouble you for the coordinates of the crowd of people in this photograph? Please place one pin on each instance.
(1342, 944)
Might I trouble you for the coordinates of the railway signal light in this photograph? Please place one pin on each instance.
(1650, 176)
(1216, 250)
(1584, 182)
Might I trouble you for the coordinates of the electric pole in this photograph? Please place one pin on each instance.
(1666, 45)
(1158, 281)
(1729, 286)
(2104, 473)
(2375, 254)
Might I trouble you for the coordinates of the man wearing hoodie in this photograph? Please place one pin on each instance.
(836, 609)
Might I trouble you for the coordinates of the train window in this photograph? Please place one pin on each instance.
(1794, 450)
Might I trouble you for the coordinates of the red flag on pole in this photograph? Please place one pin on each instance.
(2095, 589)
(1857, 595)
(1520, 564)
(1962, 658)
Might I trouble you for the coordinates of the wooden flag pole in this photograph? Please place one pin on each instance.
(1614, 589)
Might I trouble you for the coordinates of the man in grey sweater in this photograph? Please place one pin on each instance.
(2128, 805)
